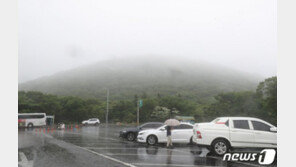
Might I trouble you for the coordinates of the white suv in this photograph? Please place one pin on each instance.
(226, 132)
(92, 121)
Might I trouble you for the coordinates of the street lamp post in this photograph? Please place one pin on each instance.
(107, 107)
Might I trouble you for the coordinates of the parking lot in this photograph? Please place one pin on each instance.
(101, 146)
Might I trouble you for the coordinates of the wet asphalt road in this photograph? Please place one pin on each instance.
(101, 146)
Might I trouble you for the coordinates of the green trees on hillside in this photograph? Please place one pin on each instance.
(267, 98)
(261, 104)
(162, 113)
(66, 109)
(233, 104)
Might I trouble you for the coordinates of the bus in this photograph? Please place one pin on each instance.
(31, 120)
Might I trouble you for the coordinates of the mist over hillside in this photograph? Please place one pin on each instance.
(153, 76)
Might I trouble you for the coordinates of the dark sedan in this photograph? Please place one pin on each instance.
(131, 133)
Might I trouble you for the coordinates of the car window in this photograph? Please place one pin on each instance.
(145, 126)
(215, 120)
(151, 125)
(227, 123)
(241, 124)
(157, 125)
(261, 126)
(31, 116)
(183, 126)
(187, 127)
(177, 127)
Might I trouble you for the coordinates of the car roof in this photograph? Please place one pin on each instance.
(238, 118)
(182, 123)
(248, 118)
(152, 123)
(186, 123)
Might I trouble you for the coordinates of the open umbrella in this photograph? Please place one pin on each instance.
(172, 122)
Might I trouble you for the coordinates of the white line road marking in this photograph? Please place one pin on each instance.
(107, 157)
(102, 155)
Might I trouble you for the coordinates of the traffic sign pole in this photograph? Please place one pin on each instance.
(139, 105)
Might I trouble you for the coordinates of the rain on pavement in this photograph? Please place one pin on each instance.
(101, 146)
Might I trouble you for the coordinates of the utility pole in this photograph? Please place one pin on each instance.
(107, 109)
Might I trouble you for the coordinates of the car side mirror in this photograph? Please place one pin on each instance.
(162, 129)
(273, 129)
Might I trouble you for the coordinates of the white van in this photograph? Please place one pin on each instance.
(226, 132)
(31, 119)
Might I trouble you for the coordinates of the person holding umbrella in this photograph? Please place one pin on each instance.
(170, 124)
(169, 136)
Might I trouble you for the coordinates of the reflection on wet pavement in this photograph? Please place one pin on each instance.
(101, 146)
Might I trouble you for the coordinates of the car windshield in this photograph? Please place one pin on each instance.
(215, 120)
(162, 127)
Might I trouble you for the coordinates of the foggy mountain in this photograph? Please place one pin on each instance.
(151, 77)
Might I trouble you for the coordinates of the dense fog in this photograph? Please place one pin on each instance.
(57, 36)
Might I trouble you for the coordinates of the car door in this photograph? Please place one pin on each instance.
(146, 126)
(241, 134)
(161, 134)
(263, 136)
(176, 134)
(182, 133)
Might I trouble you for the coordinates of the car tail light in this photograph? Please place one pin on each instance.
(220, 122)
(21, 120)
(198, 134)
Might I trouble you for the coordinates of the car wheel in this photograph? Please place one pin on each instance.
(96, 124)
(85, 124)
(30, 125)
(220, 147)
(152, 140)
(130, 136)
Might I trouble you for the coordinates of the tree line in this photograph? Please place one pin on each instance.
(261, 103)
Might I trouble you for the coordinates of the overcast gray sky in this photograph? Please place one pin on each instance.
(56, 35)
